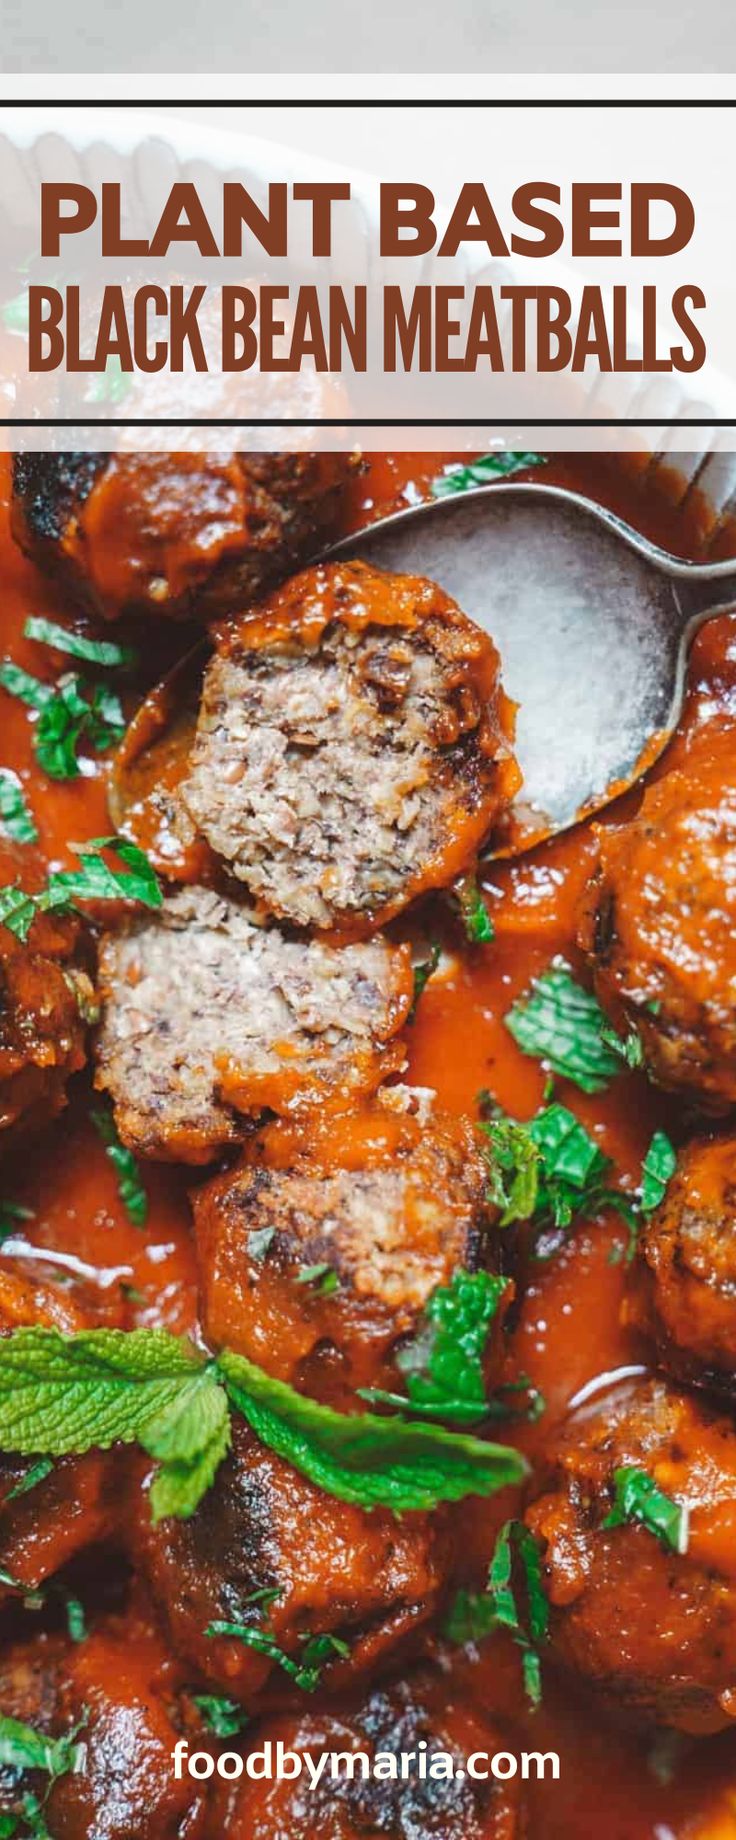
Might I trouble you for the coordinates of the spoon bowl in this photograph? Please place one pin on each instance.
(592, 623)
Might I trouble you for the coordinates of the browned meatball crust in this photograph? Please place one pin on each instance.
(653, 1629)
(207, 1018)
(381, 1204)
(187, 535)
(353, 746)
(684, 1284)
(45, 996)
(393, 1720)
(369, 1579)
(660, 926)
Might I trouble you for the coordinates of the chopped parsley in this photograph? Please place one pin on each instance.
(443, 1364)
(15, 814)
(130, 1184)
(94, 880)
(479, 472)
(94, 651)
(637, 1498)
(562, 1024)
(474, 1615)
(658, 1169)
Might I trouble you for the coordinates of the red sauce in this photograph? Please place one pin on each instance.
(569, 1331)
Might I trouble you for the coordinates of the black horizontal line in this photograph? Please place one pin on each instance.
(370, 421)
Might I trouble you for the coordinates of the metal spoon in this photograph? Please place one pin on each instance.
(592, 622)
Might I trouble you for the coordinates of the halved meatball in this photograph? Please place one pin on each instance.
(660, 927)
(46, 996)
(183, 534)
(207, 1017)
(653, 1629)
(318, 1254)
(353, 746)
(369, 1579)
(394, 1720)
(683, 1292)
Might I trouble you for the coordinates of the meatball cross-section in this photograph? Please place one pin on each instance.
(208, 1019)
(353, 746)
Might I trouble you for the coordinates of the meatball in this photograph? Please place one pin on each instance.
(353, 746)
(183, 534)
(369, 1579)
(653, 1629)
(113, 1685)
(381, 1205)
(45, 997)
(660, 927)
(393, 1721)
(207, 1017)
(684, 1283)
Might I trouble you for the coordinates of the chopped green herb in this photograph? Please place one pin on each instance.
(95, 651)
(130, 1185)
(562, 1024)
(259, 1241)
(501, 1406)
(15, 814)
(68, 713)
(11, 1214)
(487, 467)
(37, 1473)
(637, 1498)
(323, 1278)
(23, 1748)
(265, 1596)
(422, 974)
(658, 1169)
(443, 1365)
(475, 916)
(71, 1393)
(223, 1717)
(477, 1614)
(305, 1676)
(94, 880)
(75, 1618)
(629, 1048)
(321, 1648)
(548, 1171)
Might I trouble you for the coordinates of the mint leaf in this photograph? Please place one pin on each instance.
(476, 1614)
(479, 930)
(562, 1024)
(479, 472)
(423, 971)
(304, 1676)
(23, 1748)
(549, 1170)
(95, 880)
(658, 1169)
(94, 651)
(17, 911)
(67, 713)
(443, 1365)
(637, 1498)
(15, 814)
(21, 684)
(189, 1437)
(359, 1457)
(130, 1184)
(223, 1717)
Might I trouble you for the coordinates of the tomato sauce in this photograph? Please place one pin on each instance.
(568, 1334)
